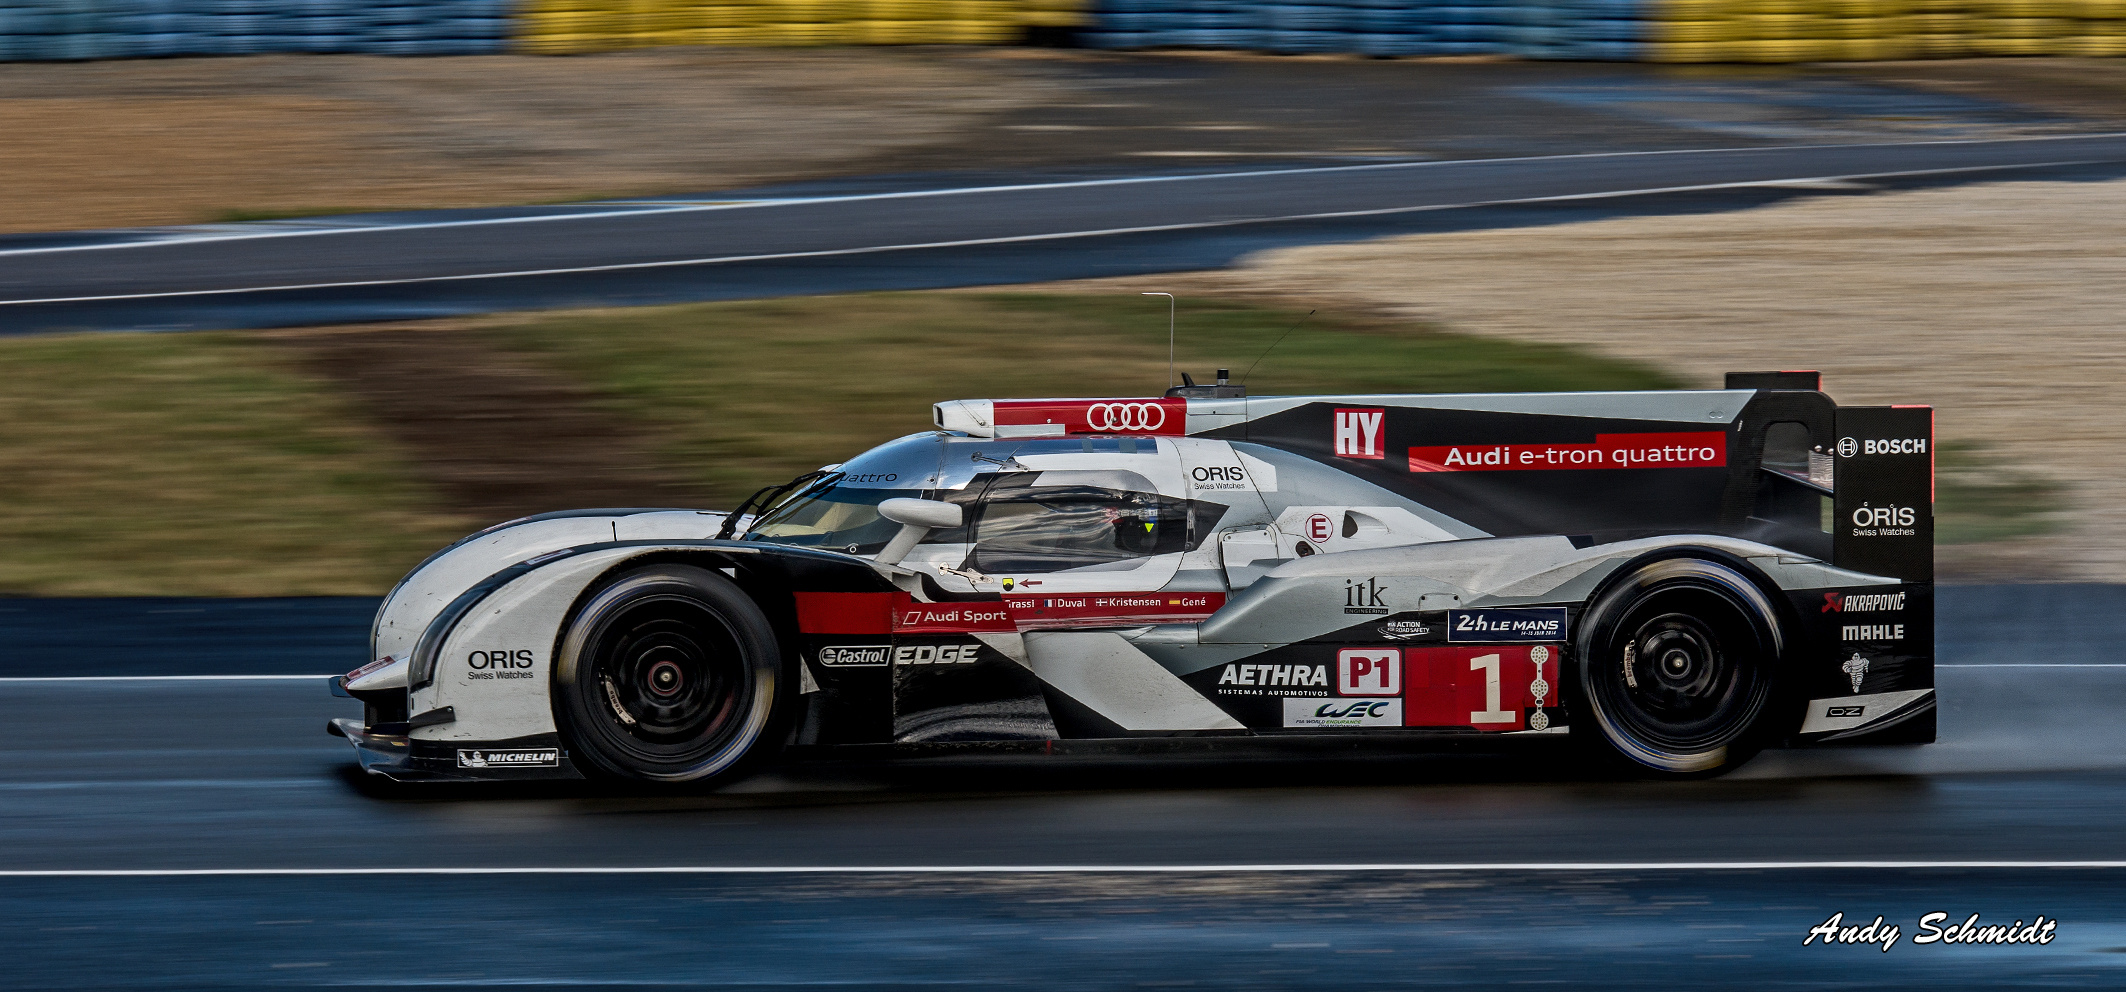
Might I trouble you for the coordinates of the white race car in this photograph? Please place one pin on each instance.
(1676, 579)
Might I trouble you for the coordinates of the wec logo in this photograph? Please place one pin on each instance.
(1125, 416)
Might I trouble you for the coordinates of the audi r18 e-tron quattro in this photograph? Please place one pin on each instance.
(1674, 579)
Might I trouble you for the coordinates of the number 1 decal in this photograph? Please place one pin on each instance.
(1491, 713)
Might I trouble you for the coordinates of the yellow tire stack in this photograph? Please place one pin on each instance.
(2100, 29)
(1942, 29)
(568, 27)
(561, 27)
(1697, 31)
(2020, 27)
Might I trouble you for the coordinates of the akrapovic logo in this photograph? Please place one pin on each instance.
(1848, 447)
(854, 657)
(1358, 432)
(1871, 602)
(538, 757)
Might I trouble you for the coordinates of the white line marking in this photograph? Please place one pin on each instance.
(1539, 866)
(2037, 664)
(1023, 238)
(162, 678)
(253, 234)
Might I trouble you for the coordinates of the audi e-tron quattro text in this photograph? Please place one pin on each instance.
(1674, 579)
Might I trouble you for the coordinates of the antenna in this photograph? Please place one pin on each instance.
(1273, 346)
(1169, 336)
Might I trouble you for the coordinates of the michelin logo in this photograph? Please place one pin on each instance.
(538, 757)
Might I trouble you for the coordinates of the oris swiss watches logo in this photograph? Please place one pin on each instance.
(1125, 416)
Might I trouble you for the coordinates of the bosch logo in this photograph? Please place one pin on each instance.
(1847, 447)
(1125, 416)
(520, 658)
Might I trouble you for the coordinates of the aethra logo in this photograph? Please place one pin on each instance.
(1369, 672)
(1125, 416)
(520, 658)
(1358, 432)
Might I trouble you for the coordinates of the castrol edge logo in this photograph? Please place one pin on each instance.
(1682, 449)
(1163, 416)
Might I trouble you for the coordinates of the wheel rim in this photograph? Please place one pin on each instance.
(1684, 674)
(671, 676)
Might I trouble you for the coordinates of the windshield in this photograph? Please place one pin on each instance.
(837, 518)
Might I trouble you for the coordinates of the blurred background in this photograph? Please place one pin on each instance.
(326, 460)
(219, 490)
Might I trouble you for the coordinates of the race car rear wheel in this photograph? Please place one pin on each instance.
(669, 674)
(1677, 665)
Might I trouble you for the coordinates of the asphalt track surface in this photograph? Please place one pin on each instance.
(438, 263)
(204, 833)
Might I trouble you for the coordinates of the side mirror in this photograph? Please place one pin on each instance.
(917, 517)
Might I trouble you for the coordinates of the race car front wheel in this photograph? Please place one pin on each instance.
(669, 674)
(1677, 665)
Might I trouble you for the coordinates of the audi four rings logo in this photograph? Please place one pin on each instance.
(1125, 416)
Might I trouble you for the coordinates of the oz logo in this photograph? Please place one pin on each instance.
(1847, 447)
(1125, 416)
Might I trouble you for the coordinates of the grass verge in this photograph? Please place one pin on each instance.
(193, 464)
(754, 392)
(204, 464)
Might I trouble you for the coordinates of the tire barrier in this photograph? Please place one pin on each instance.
(74, 30)
(71, 30)
(1599, 30)
(563, 27)
(1624, 30)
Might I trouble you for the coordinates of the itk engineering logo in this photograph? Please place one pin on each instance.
(1363, 598)
(1358, 432)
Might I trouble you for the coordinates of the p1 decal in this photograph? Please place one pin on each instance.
(1542, 623)
(1358, 432)
(1369, 672)
(1682, 449)
(1343, 712)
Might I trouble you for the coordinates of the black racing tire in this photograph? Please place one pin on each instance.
(1678, 669)
(670, 673)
